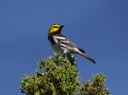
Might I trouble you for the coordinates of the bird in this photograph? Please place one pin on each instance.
(62, 45)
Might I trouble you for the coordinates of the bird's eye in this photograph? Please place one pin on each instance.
(55, 27)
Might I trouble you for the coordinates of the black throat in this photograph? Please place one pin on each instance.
(50, 36)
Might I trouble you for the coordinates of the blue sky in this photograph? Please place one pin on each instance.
(100, 27)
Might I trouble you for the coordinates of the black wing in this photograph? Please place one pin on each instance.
(65, 42)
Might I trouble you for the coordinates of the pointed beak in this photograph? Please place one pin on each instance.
(62, 26)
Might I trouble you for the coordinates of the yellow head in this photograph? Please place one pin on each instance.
(55, 29)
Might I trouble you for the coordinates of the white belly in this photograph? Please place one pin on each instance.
(57, 49)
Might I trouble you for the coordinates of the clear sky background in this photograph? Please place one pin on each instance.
(100, 27)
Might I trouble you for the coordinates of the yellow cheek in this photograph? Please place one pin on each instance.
(53, 30)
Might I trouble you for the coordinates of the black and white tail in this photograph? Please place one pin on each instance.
(82, 53)
(89, 58)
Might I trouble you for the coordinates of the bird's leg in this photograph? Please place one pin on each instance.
(64, 54)
(71, 58)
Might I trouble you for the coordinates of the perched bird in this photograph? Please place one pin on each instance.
(62, 45)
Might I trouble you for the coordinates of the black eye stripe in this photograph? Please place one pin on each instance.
(55, 26)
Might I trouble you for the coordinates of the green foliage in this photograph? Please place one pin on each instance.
(56, 76)
(96, 87)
